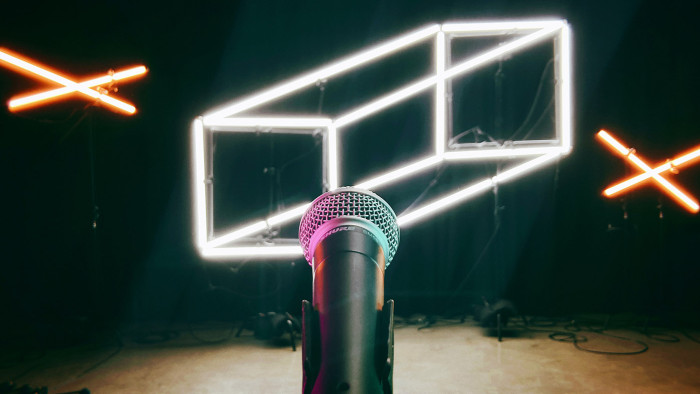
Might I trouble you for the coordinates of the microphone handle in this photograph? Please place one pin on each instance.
(348, 294)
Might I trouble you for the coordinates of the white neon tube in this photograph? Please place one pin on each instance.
(291, 214)
(538, 31)
(440, 97)
(198, 185)
(385, 101)
(501, 26)
(509, 47)
(333, 164)
(419, 86)
(565, 96)
(259, 226)
(276, 252)
(445, 202)
(521, 169)
(500, 153)
(325, 72)
(399, 173)
(286, 123)
(242, 232)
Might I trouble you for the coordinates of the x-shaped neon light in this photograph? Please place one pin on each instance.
(683, 198)
(69, 86)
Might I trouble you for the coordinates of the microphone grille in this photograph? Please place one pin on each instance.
(352, 202)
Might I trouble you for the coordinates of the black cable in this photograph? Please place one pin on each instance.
(432, 183)
(280, 169)
(153, 337)
(322, 90)
(644, 346)
(26, 371)
(225, 338)
(571, 335)
(476, 130)
(212, 287)
(65, 135)
(440, 322)
(540, 119)
(77, 123)
(278, 174)
(534, 101)
(120, 346)
(50, 121)
(660, 336)
(476, 263)
(692, 338)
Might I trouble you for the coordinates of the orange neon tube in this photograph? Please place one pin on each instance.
(670, 165)
(15, 103)
(665, 185)
(69, 85)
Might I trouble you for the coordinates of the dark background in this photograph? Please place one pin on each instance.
(559, 246)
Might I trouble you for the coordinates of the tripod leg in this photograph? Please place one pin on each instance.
(385, 347)
(310, 346)
(290, 328)
(498, 327)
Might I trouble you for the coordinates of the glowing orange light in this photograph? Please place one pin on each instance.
(665, 185)
(69, 86)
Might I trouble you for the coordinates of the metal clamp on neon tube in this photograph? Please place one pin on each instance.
(349, 236)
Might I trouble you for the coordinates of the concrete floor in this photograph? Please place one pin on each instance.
(445, 358)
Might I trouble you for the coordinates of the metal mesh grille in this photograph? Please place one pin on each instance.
(349, 202)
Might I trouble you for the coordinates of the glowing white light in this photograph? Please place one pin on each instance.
(243, 232)
(498, 52)
(524, 168)
(564, 95)
(525, 35)
(333, 167)
(259, 226)
(273, 252)
(285, 123)
(198, 186)
(385, 101)
(500, 153)
(291, 214)
(440, 96)
(399, 173)
(500, 28)
(334, 69)
(443, 203)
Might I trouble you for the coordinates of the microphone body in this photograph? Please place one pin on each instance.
(347, 334)
(348, 294)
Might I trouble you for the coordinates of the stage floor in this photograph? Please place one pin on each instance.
(448, 357)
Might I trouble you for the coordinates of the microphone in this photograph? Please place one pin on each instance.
(349, 237)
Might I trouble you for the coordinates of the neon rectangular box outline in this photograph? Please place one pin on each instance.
(221, 120)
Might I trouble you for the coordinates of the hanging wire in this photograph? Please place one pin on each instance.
(534, 104)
